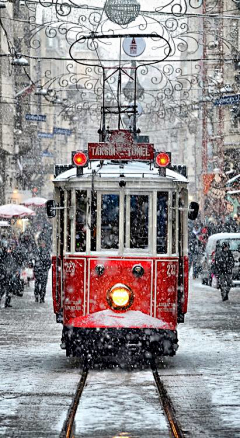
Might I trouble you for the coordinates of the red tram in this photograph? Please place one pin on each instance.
(120, 264)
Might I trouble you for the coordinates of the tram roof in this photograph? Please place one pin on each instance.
(129, 169)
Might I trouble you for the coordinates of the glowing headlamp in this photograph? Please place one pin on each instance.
(120, 297)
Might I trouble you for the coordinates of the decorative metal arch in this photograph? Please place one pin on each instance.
(163, 84)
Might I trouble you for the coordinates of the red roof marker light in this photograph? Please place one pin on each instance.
(79, 159)
(163, 159)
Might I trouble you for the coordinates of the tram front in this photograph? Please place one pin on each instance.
(120, 266)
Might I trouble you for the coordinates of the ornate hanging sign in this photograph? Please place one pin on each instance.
(134, 46)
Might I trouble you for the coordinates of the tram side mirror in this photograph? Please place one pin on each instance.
(51, 208)
(193, 211)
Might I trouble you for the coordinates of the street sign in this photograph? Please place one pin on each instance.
(62, 131)
(227, 100)
(45, 135)
(36, 117)
(134, 46)
(121, 146)
(46, 153)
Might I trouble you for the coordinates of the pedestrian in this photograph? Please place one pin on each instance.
(193, 247)
(223, 267)
(16, 259)
(3, 254)
(46, 235)
(9, 272)
(41, 267)
(28, 246)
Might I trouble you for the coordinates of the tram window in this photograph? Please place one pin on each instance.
(174, 223)
(110, 222)
(81, 217)
(60, 230)
(69, 203)
(139, 209)
(162, 221)
(93, 221)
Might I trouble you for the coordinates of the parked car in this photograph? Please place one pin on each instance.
(208, 258)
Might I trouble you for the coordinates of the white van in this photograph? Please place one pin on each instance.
(208, 259)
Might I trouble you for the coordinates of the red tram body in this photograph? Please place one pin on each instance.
(120, 264)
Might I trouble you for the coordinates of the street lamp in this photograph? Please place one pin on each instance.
(20, 61)
(57, 100)
(130, 87)
(42, 91)
(237, 2)
(122, 11)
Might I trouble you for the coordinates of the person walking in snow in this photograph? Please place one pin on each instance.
(9, 271)
(3, 279)
(223, 267)
(193, 247)
(41, 268)
(46, 235)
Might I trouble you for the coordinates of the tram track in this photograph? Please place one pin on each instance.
(167, 405)
(164, 399)
(67, 429)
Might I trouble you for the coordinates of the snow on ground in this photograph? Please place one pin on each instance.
(117, 402)
(37, 381)
(206, 368)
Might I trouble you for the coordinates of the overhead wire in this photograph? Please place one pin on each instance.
(157, 12)
(103, 60)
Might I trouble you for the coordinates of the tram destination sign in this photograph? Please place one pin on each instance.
(121, 151)
(120, 146)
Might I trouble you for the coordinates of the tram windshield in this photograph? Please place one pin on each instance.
(139, 221)
(122, 222)
(110, 221)
(81, 217)
(162, 222)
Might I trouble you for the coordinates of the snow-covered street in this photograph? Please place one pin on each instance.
(119, 219)
(37, 381)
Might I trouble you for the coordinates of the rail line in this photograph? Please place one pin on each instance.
(167, 405)
(67, 430)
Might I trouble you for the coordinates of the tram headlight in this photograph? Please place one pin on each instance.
(120, 297)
